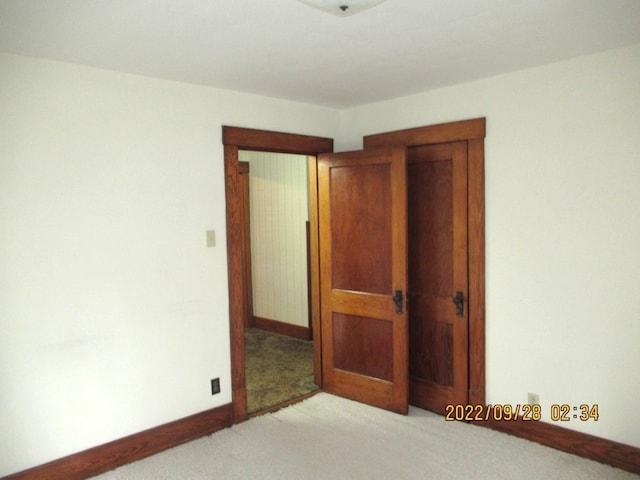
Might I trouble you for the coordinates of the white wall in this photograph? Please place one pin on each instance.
(562, 228)
(279, 211)
(113, 314)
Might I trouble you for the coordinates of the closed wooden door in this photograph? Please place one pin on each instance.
(362, 205)
(438, 275)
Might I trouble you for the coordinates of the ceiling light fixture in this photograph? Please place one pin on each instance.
(342, 8)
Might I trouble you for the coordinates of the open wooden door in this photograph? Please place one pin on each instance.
(363, 275)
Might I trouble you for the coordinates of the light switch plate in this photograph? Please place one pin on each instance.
(211, 238)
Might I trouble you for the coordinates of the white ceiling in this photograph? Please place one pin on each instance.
(286, 49)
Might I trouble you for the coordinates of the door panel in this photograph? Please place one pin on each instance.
(363, 261)
(361, 228)
(437, 206)
(352, 350)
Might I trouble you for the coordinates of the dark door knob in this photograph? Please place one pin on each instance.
(397, 299)
(458, 299)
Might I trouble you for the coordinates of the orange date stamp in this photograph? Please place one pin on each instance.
(497, 412)
(523, 412)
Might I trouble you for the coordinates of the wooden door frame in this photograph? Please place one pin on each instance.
(244, 171)
(473, 132)
(235, 139)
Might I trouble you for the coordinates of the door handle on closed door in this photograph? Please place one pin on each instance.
(397, 299)
(458, 299)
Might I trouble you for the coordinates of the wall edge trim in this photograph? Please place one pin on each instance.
(584, 445)
(108, 456)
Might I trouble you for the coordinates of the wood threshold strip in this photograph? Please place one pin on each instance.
(103, 458)
(284, 404)
(295, 331)
(612, 453)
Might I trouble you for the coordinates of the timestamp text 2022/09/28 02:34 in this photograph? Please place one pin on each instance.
(524, 412)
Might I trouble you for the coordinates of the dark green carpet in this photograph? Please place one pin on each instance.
(278, 368)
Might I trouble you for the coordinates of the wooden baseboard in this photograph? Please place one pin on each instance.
(296, 331)
(106, 457)
(129, 449)
(595, 448)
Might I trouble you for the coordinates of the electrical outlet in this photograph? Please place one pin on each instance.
(215, 386)
(533, 398)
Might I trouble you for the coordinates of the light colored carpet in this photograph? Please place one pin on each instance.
(327, 437)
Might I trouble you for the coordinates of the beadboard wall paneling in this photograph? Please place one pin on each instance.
(279, 212)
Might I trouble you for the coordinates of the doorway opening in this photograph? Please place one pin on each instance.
(278, 330)
(237, 139)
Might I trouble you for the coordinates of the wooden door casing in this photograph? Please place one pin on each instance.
(235, 139)
(363, 238)
(472, 132)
